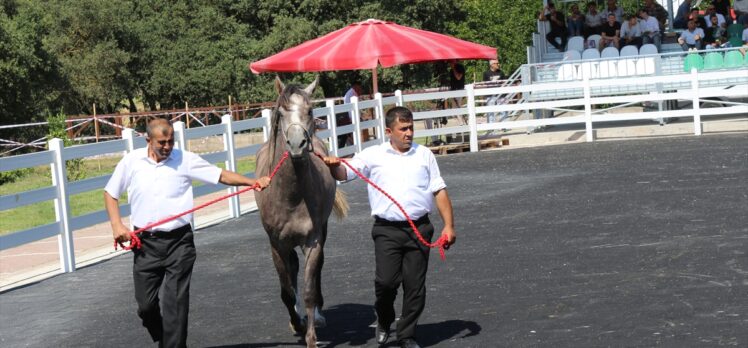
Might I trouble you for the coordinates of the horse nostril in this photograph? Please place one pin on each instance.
(303, 143)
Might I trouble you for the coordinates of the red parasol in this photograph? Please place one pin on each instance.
(364, 45)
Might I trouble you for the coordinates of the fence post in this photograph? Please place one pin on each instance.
(472, 123)
(62, 207)
(228, 145)
(695, 102)
(379, 114)
(179, 136)
(356, 125)
(332, 124)
(266, 113)
(587, 108)
(399, 98)
(129, 135)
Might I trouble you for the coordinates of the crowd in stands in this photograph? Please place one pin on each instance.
(716, 28)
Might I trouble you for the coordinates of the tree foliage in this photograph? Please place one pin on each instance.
(71, 54)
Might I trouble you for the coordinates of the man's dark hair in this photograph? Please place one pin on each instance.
(398, 113)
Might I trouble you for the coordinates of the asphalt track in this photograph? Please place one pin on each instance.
(637, 243)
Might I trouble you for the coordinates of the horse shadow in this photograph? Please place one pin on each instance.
(352, 324)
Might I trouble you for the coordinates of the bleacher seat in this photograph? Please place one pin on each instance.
(576, 43)
(627, 67)
(589, 69)
(733, 59)
(713, 60)
(593, 38)
(570, 55)
(607, 68)
(693, 61)
(646, 65)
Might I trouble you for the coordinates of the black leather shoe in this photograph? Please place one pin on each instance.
(409, 343)
(383, 334)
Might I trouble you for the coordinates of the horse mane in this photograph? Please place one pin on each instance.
(283, 100)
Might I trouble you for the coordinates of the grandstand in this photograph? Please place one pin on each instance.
(578, 62)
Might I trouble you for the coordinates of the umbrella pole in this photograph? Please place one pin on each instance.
(374, 81)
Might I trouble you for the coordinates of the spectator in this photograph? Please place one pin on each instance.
(690, 39)
(650, 29)
(343, 119)
(631, 33)
(681, 17)
(494, 73)
(741, 11)
(712, 11)
(700, 21)
(558, 26)
(723, 7)
(614, 9)
(656, 10)
(575, 23)
(611, 33)
(716, 34)
(593, 23)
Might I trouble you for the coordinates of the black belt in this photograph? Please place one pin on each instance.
(422, 220)
(175, 233)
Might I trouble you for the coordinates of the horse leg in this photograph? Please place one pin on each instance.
(287, 273)
(311, 292)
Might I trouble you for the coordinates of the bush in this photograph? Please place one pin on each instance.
(13, 175)
(56, 123)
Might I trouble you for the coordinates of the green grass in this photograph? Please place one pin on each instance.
(43, 213)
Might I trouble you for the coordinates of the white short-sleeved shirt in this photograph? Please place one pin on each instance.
(690, 37)
(650, 25)
(634, 31)
(411, 178)
(720, 20)
(159, 190)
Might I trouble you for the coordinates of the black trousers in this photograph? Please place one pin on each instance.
(400, 259)
(164, 262)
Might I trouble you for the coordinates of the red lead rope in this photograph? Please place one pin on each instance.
(135, 241)
(441, 243)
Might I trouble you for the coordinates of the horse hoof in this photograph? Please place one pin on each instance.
(297, 329)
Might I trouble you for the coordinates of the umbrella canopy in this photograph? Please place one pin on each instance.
(364, 45)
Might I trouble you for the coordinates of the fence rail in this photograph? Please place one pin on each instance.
(66, 224)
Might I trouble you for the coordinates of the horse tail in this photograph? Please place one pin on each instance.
(340, 206)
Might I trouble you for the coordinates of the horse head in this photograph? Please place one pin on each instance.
(293, 119)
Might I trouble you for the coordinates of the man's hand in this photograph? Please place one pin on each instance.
(449, 232)
(262, 183)
(331, 161)
(121, 233)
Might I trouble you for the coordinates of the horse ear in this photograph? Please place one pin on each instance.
(279, 86)
(309, 89)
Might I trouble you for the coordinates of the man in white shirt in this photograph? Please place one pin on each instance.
(410, 174)
(691, 38)
(158, 180)
(650, 29)
(712, 10)
(614, 9)
(631, 32)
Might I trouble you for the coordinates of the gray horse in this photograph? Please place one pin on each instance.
(295, 207)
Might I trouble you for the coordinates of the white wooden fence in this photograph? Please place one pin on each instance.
(65, 225)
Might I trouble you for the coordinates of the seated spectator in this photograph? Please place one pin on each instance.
(650, 29)
(700, 21)
(610, 33)
(691, 38)
(741, 11)
(656, 10)
(631, 33)
(558, 26)
(592, 20)
(614, 9)
(723, 7)
(712, 11)
(575, 23)
(681, 16)
(715, 35)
